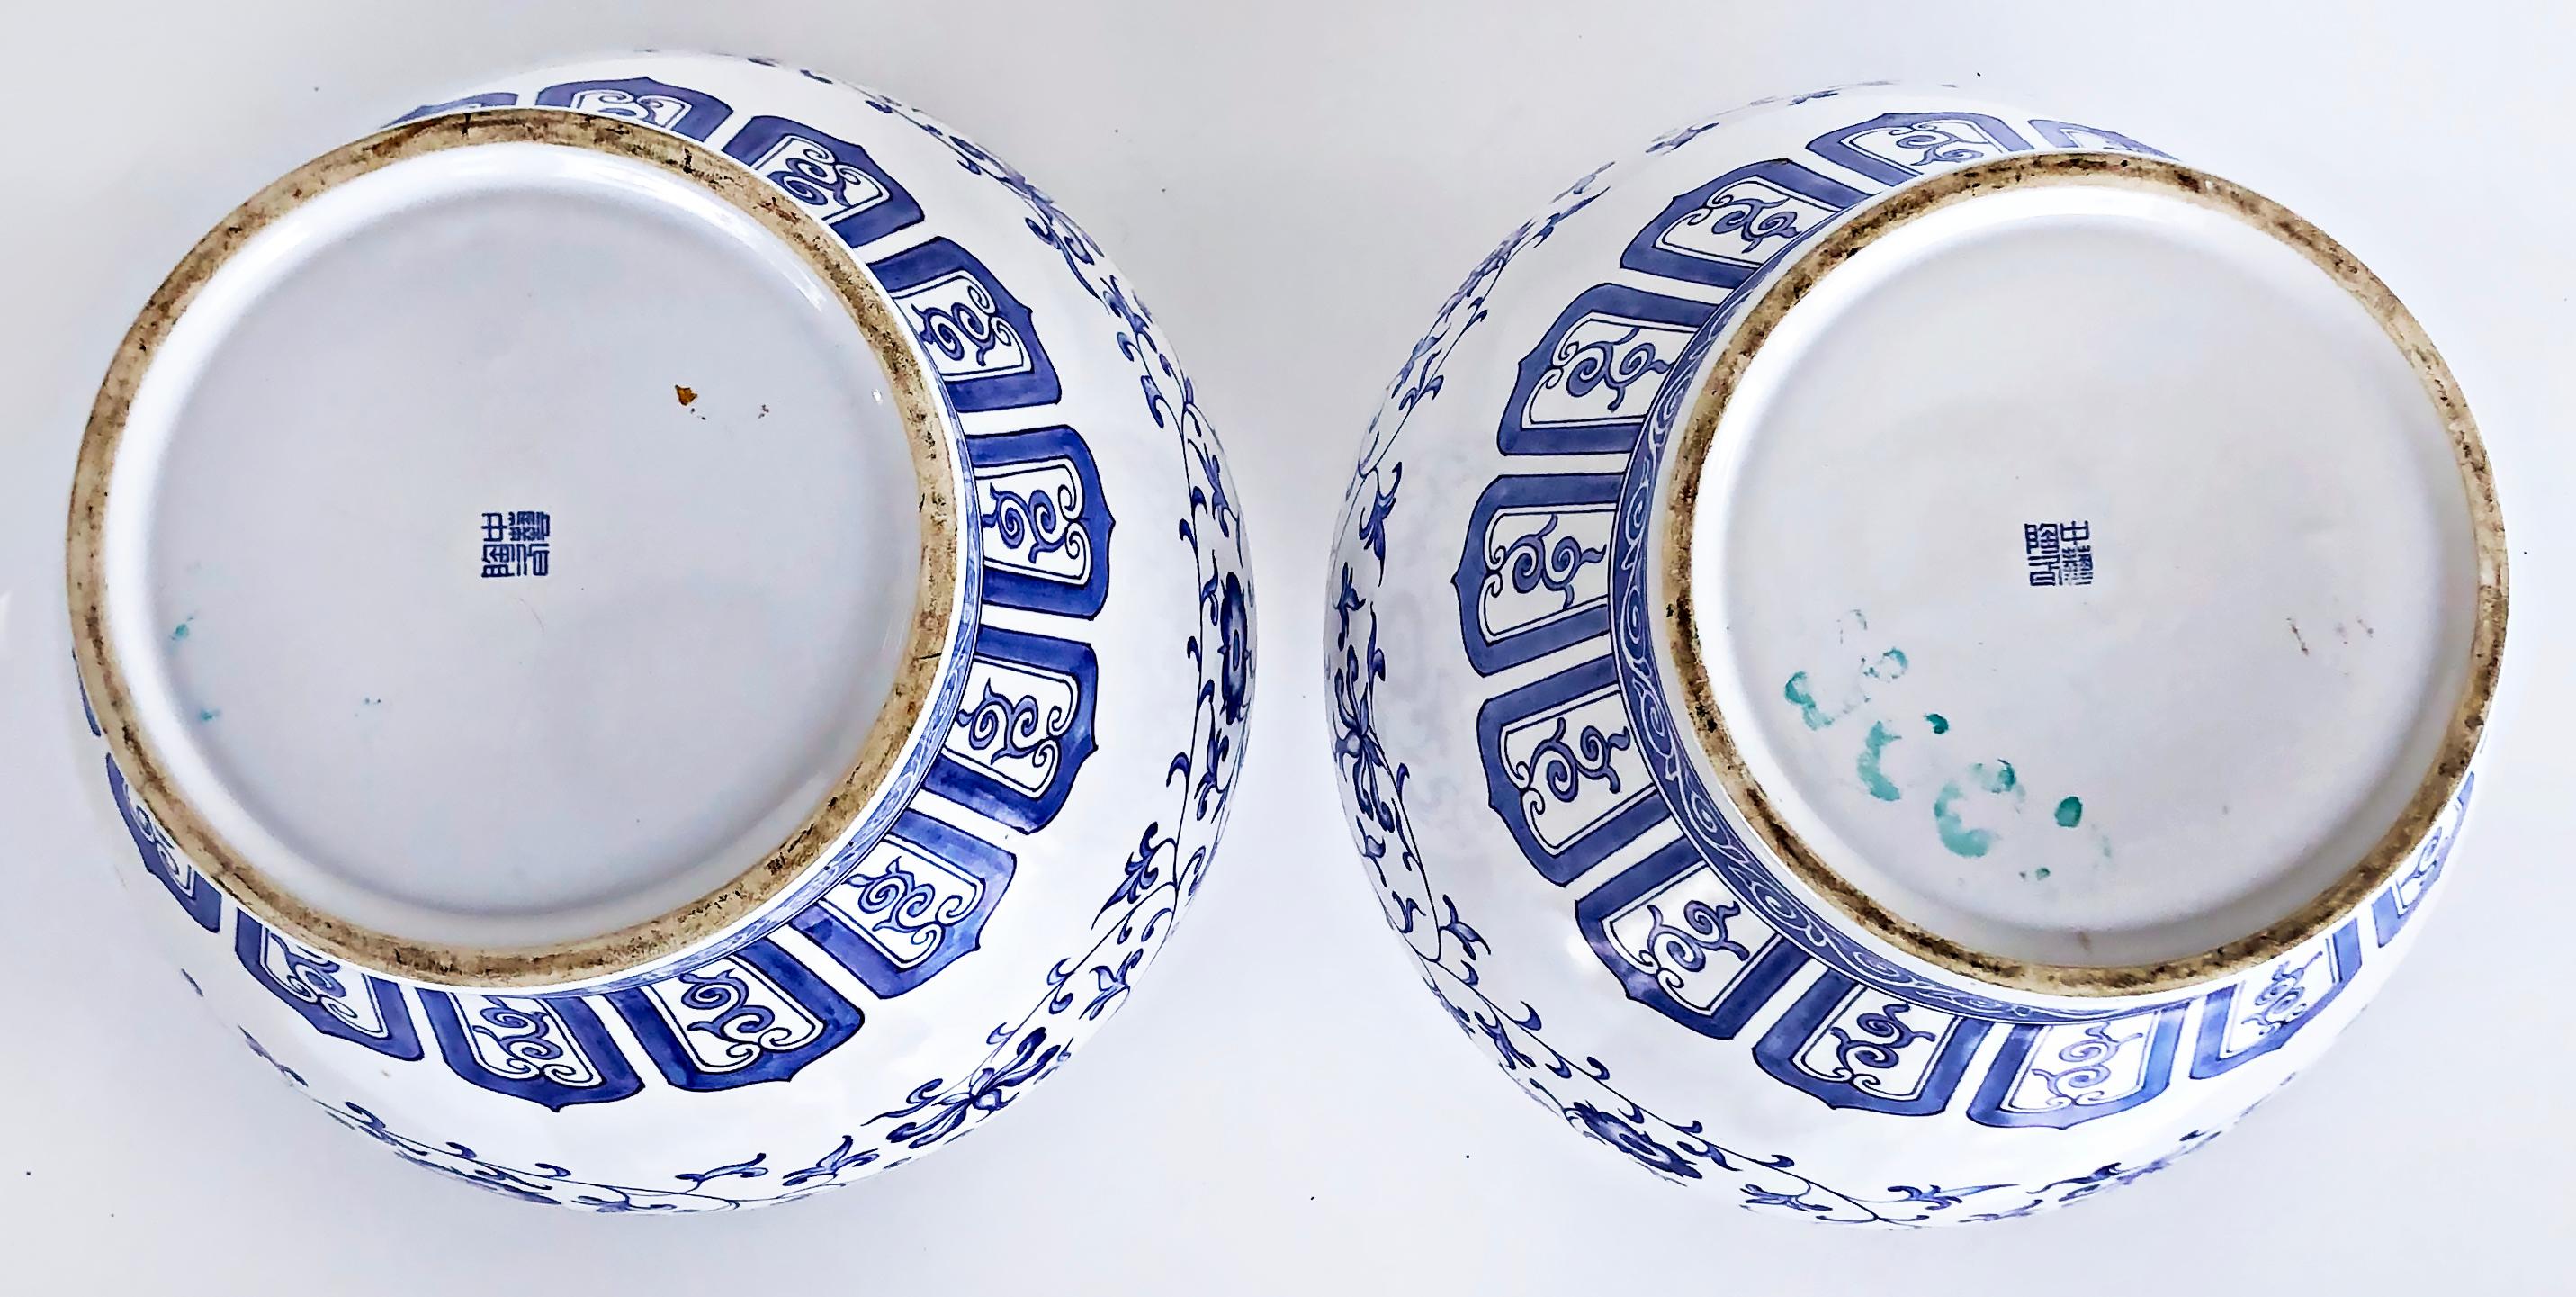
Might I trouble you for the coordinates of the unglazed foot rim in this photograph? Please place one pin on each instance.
(869, 775)
(1763, 813)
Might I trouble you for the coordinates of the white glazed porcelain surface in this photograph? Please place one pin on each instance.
(593, 727)
(2253, 464)
(2006, 669)
(930, 971)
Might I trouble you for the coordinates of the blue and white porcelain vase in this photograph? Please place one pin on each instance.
(1902, 661)
(667, 632)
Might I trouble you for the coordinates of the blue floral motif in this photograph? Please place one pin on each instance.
(749, 1010)
(1112, 984)
(2058, 1193)
(1674, 139)
(989, 1090)
(1938, 1198)
(748, 1169)
(845, 1156)
(292, 1076)
(1172, 852)
(1234, 650)
(1623, 1134)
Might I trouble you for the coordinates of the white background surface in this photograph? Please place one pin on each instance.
(1296, 186)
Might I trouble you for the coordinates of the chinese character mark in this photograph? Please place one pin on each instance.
(517, 543)
(2058, 553)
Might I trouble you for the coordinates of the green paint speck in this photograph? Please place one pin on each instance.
(1804, 699)
(1940, 723)
(1871, 777)
(2070, 812)
(180, 631)
(1998, 780)
(2040, 873)
(1958, 837)
(205, 714)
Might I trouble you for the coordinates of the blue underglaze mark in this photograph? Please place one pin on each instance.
(1871, 776)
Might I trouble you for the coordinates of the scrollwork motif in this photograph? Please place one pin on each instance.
(2283, 999)
(735, 1024)
(315, 979)
(1748, 216)
(1531, 563)
(2087, 1070)
(1582, 366)
(813, 176)
(1874, 1043)
(1374, 782)
(1038, 521)
(1933, 143)
(1565, 767)
(524, 1043)
(660, 110)
(898, 900)
(967, 330)
(1173, 851)
(1002, 727)
(1672, 949)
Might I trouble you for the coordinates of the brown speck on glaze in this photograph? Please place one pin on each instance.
(1791, 281)
(694, 924)
(687, 395)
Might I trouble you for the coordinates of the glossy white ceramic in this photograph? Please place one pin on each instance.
(1907, 659)
(666, 630)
